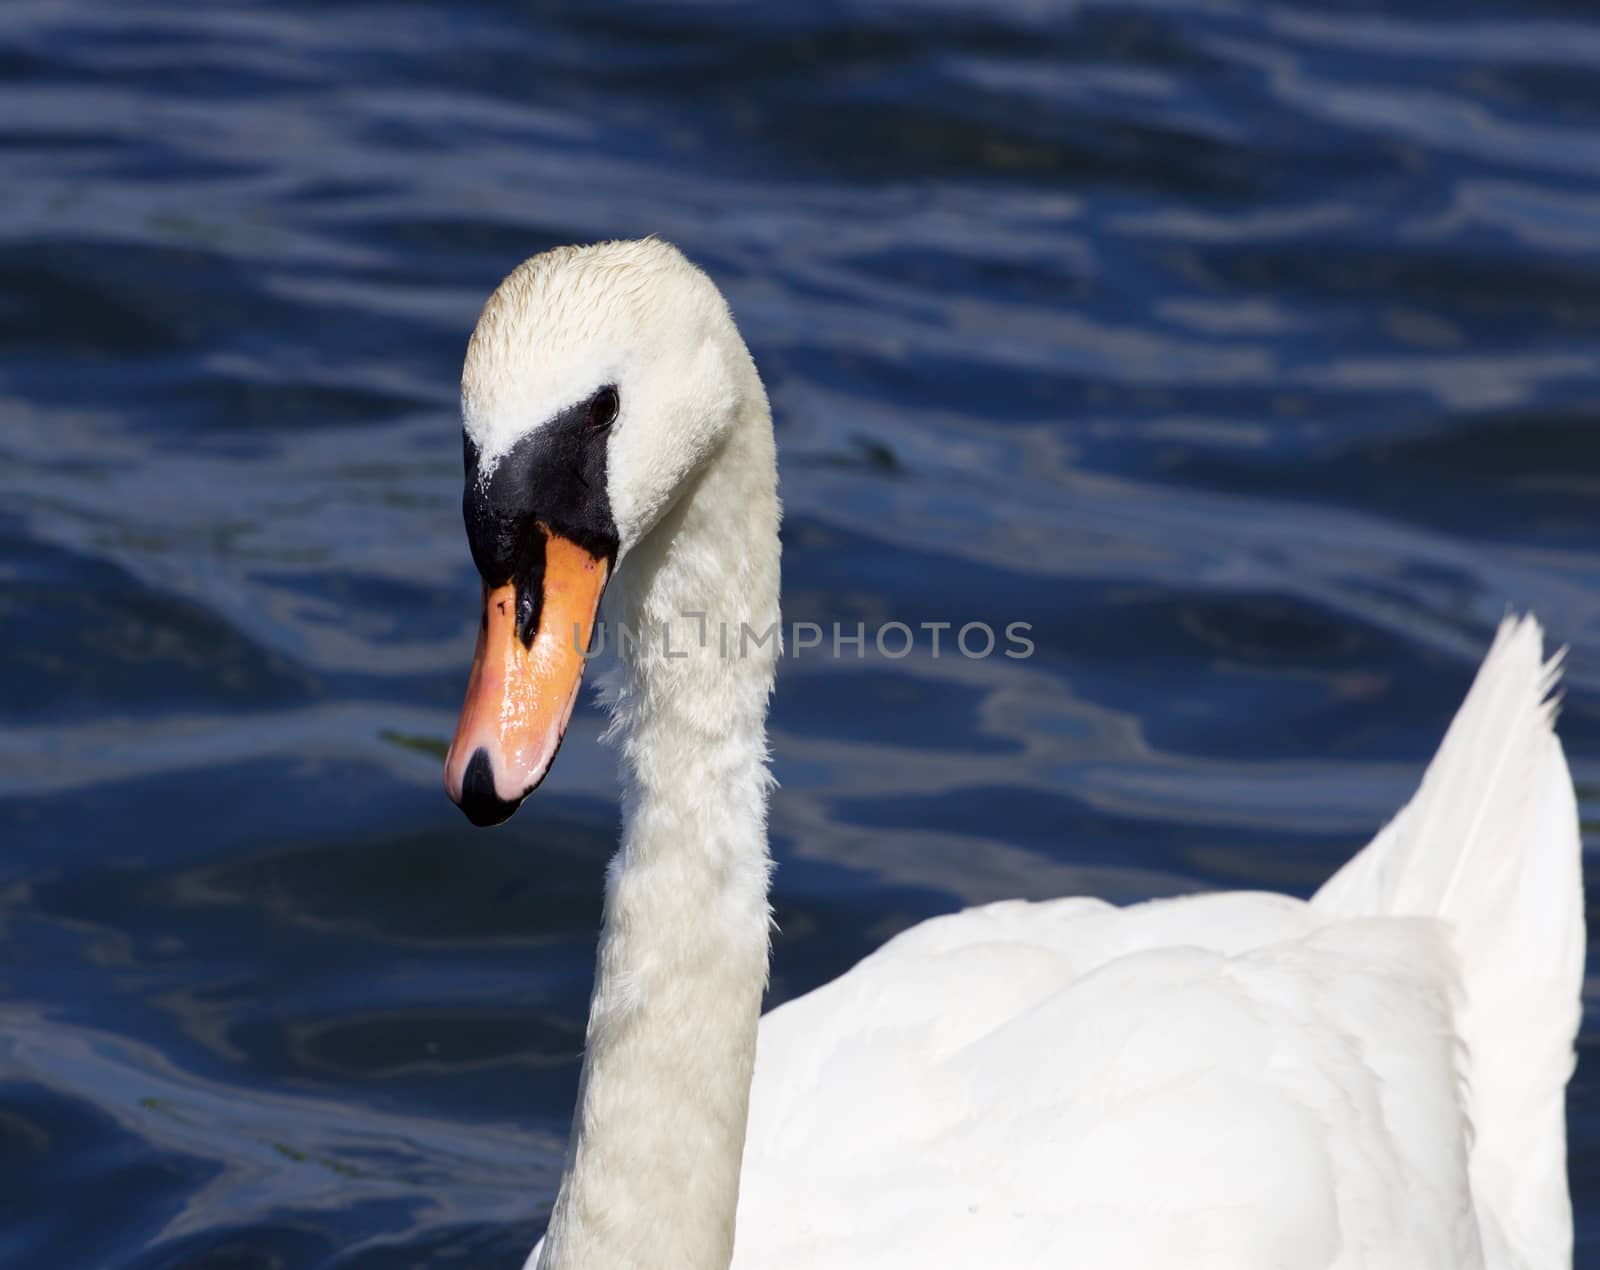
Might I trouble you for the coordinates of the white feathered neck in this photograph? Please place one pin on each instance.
(652, 1172)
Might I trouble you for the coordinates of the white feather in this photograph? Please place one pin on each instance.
(1230, 1080)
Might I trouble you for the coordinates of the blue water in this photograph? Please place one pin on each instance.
(1251, 353)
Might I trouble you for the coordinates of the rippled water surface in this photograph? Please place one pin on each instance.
(1251, 353)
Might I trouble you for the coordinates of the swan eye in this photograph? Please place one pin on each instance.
(603, 408)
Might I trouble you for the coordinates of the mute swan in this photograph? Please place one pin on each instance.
(1373, 1078)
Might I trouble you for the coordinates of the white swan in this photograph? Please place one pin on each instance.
(1371, 1079)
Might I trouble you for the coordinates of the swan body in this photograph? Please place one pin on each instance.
(1373, 1078)
(1370, 1079)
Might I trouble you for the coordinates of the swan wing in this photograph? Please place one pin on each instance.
(1222, 1081)
(1490, 845)
(1373, 1079)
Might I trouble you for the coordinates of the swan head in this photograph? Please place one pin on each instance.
(598, 382)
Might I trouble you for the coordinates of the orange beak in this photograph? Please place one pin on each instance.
(520, 696)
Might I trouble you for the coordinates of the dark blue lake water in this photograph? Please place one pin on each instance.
(1251, 353)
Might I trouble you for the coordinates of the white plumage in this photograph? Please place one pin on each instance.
(1373, 1079)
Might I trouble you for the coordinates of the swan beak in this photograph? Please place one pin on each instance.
(521, 694)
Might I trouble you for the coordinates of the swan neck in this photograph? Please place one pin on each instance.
(652, 1176)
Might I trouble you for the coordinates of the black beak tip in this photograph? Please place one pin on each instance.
(483, 807)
